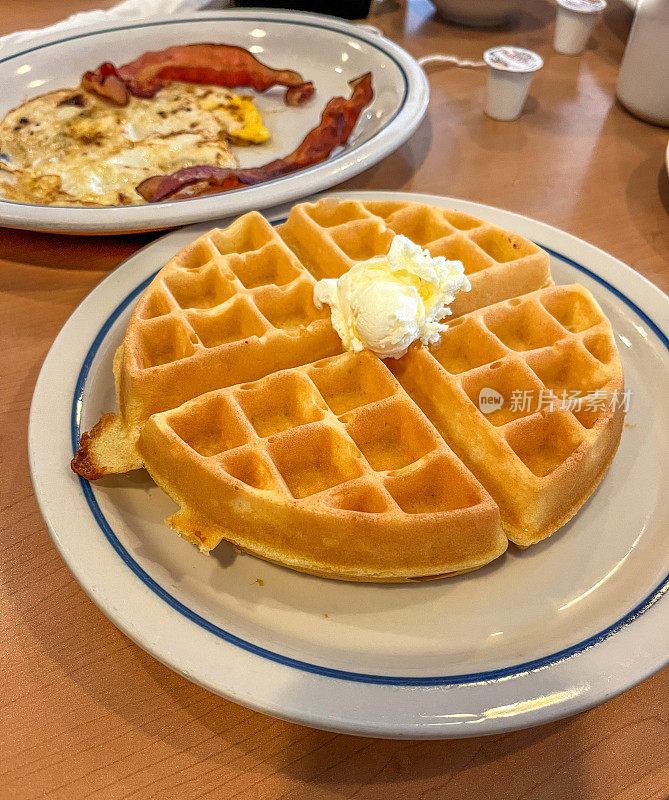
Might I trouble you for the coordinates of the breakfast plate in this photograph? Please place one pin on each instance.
(537, 635)
(327, 51)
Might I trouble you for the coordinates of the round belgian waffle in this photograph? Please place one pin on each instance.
(234, 393)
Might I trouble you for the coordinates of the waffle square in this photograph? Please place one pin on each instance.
(539, 459)
(334, 488)
(330, 236)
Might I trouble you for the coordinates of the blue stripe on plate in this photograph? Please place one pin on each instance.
(317, 669)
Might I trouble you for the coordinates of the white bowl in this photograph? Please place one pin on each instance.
(479, 13)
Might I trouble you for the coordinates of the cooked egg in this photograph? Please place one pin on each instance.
(71, 147)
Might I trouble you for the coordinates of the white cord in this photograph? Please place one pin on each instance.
(439, 58)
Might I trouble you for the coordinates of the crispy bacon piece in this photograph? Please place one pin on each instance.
(337, 123)
(216, 64)
(107, 82)
(296, 95)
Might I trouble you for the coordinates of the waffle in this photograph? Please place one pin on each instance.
(231, 307)
(330, 236)
(237, 304)
(329, 469)
(540, 457)
(234, 393)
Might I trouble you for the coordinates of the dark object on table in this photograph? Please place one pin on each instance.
(348, 9)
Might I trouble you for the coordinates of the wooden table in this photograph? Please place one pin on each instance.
(87, 714)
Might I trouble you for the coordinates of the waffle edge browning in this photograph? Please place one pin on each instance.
(234, 393)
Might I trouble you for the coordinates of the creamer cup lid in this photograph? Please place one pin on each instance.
(513, 59)
(583, 6)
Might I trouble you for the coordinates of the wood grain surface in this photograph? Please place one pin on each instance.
(84, 713)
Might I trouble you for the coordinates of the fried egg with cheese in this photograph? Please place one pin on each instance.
(72, 147)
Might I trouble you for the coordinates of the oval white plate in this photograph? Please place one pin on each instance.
(536, 635)
(328, 51)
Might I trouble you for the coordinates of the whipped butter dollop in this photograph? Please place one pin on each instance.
(386, 303)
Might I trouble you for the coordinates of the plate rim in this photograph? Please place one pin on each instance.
(458, 681)
(402, 123)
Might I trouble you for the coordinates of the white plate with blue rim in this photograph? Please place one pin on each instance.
(536, 635)
(328, 51)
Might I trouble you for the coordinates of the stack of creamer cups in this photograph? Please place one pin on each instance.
(511, 69)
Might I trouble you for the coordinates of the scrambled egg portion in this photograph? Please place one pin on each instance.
(71, 147)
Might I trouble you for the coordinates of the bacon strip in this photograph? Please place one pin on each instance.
(107, 82)
(216, 64)
(337, 123)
